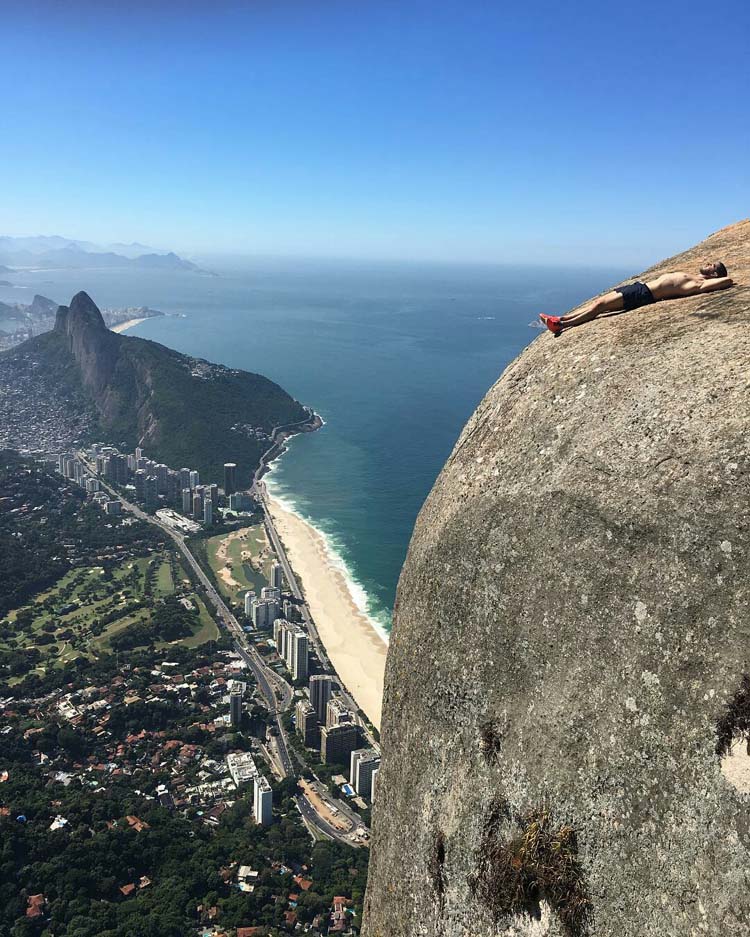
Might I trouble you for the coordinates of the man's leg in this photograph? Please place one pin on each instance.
(610, 302)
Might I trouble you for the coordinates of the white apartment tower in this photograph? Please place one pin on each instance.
(264, 612)
(364, 763)
(296, 652)
(262, 801)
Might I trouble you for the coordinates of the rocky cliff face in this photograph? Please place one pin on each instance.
(564, 714)
(94, 347)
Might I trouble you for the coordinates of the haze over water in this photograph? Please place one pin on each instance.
(394, 357)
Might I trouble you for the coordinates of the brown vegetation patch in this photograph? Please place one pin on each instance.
(734, 724)
(536, 864)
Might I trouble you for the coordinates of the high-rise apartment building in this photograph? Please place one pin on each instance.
(262, 801)
(230, 478)
(321, 689)
(250, 597)
(197, 506)
(337, 712)
(195, 479)
(363, 765)
(276, 576)
(235, 706)
(208, 512)
(187, 501)
(184, 478)
(160, 470)
(140, 485)
(279, 635)
(264, 613)
(337, 743)
(118, 468)
(307, 724)
(296, 649)
(151, 492)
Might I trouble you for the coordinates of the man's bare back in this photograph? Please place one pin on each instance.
(674, 285)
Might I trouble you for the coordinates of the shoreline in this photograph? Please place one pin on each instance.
(128, 324)
(356, 648)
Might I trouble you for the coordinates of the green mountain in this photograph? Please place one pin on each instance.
(181, 410)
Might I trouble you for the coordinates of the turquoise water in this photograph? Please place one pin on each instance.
(394, 357)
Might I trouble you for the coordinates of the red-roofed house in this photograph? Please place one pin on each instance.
(36, 905)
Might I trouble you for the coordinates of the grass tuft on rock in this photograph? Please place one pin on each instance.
(735, 721)
(539, 863)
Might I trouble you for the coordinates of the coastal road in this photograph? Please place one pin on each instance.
(291, 579)
(325, 662)
(266, 678)
(314, 818)
(258, 489)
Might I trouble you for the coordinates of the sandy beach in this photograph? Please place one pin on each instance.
(128, 324)
(356, 649)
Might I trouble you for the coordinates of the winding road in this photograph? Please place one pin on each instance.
(276, 691)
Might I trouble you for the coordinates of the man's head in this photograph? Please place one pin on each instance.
(714, 269)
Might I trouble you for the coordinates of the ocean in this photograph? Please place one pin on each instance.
(394, 357)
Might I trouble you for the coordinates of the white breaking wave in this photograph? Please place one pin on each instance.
(334, 557)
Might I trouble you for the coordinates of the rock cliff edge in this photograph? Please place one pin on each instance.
(570, 638)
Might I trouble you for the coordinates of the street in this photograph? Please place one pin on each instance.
(267, 679)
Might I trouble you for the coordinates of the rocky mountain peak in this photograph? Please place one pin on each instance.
(81, 315)
(94, 348)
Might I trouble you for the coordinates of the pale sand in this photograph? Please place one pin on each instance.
(356, 649)
(735, 765)
(128, 324)
(225, 573)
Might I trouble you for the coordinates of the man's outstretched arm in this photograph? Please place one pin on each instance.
(716, 283)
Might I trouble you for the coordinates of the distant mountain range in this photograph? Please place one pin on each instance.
(54, 252)
(183, 410)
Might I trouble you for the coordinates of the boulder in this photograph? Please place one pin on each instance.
(564, 684)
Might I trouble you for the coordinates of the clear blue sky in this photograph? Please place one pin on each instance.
(547, 131)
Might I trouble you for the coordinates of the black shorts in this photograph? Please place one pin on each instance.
(635, 295)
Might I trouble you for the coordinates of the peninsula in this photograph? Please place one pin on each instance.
(82, 381)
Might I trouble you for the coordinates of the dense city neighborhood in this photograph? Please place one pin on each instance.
(149, 699)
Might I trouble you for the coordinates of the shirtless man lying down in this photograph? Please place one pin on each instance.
(668, 286)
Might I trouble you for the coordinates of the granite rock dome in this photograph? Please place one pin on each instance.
(571, 626)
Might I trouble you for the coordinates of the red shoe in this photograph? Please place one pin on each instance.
(553, 323)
